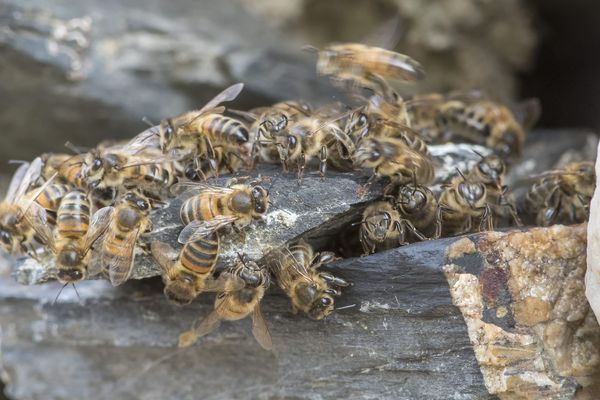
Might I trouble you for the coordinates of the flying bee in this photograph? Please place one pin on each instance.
(295, 269)
(391, 157)
(562, 196)
(199, 132)
(217, 207)
(312, 137)
(190, 273)
(491, 170)
(233, 305)
(128, 220)
(74, 235)
(19, 213)
(461, 203)
(367, 67)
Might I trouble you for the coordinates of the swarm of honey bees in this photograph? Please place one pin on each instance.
(89, 211)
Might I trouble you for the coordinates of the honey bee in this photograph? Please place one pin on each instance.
(52, 163)
(367, 66)
(461, 203)
(562, 196)
(383, 228)
(491, 170)
(217, 207)
(391, 157)
(234, 305)
(295, 269)
(312, 137)
(418, 204)
(189, 274)
(74, 235)
(70, 170)
(117, 168)
(470, 117)
(199, 132)
(50, 198)
(128, 219)
(19, 213)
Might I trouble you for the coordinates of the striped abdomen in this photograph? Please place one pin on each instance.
(223, 129)
(52, 195)
(73, 216)
(203, 207)
(200, 257)
(152, 174)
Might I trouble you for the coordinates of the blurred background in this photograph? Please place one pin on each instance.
(86, 70)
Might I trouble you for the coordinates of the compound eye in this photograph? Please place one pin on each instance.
(362, 120)
(325, 301)
(292, 142)
(130, 197)
(96, 164)
(142, 205)
(168, 132)
(5, 238)
(374, 156)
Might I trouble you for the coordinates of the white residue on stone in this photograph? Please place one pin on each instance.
(283, 217)
(592, 276)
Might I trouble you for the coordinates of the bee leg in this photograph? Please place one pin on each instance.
(254, 155)
(414, 230)
(323, 162)
(438, 222)
(333, 291)
(367, 245)
(321, 258)
(301, 166)
(333, 280)
(487, 219)
(399, 227)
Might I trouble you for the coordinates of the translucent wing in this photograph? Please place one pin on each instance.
(527, 113)
(120, 265)
(200, 328)
(226, 282)
(98, 225)
(36, 218)
(196, 230)
(229, 94)
(145, 140)
(250, 116)
(33, 172)
(15, 182)
(260, 330)
(184, 186)
(164, 255)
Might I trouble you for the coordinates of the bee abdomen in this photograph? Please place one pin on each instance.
(51, 196)
(200, 257)
(73, 216)
(202, 208)
(225, 129)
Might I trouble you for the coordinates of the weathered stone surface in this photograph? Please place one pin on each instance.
(522, 296)
(399, 338)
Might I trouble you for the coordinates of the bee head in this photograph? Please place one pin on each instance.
(358, 125)
(369, 153)
(411, 199)
(181, 290)
(321, 307)
(260, 200)
(136, 201)
(379, 225)
(509, 145)
(6, 240)
(471, 192)
(491, 168)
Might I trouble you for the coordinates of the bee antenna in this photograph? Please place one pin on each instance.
(73, 148)
(461, 174)
(242, 258)
(76, 292)
(271, 185)
(59, 292)
(17, 162)
(148, 122)
(478, 153)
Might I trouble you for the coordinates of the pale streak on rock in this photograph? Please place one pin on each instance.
(592, 276)
(522, 297)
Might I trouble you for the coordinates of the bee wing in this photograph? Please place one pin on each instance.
(229, 94)
(164, 255)
(35, 215)
(250, 116)
(260, 330)
(184, 186)
(98, 225)
(298, 266)
(15, 182)
(147, 139)
(30, 175)
(120, 265)
(226, 282)
(527, 113)
(201, 328)
(198, 229)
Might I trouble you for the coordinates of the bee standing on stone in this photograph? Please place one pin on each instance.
(190, 273)
(295, 269)
(128, 220)
(562, 196)
(233, 305)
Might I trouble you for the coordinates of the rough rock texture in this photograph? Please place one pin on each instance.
(91, 70)
(522, 296)
(592, 276)
(399, 338)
